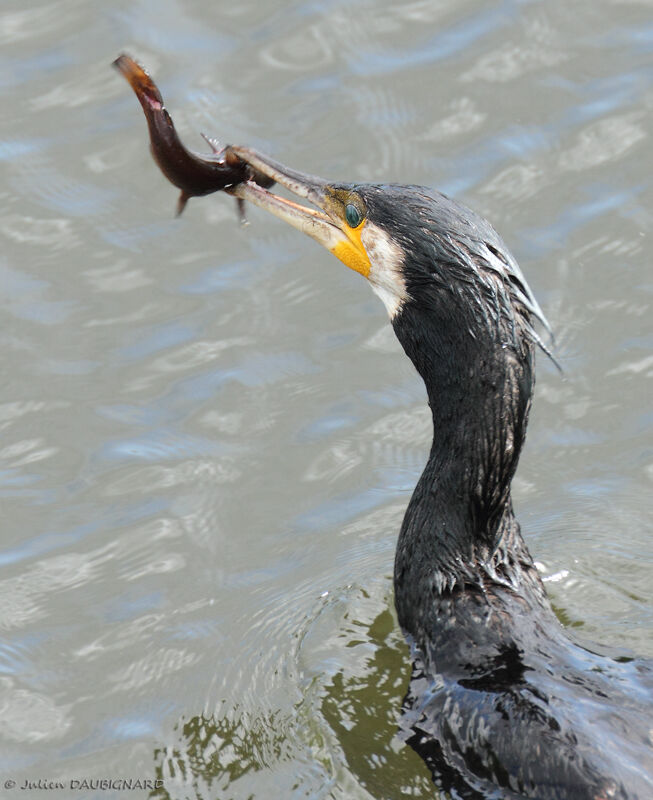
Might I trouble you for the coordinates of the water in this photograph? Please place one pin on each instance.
(209, 433)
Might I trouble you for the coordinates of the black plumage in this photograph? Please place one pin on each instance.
(501, 702)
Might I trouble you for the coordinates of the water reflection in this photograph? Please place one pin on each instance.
(214, 753)
(346, 723)
(363, 712)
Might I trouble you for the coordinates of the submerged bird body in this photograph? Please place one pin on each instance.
(511, 709)
(501, 703)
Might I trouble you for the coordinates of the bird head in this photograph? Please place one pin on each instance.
(456, 297)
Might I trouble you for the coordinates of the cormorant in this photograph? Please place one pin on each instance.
(501, 703)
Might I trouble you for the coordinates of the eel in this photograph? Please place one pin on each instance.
(195, 174)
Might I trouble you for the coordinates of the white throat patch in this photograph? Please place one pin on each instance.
(386, 259)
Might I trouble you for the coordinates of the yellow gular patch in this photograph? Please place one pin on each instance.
(351, 252)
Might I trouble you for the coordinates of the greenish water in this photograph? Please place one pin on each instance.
(209, 433)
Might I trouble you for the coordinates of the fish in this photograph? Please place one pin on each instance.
(195, 174)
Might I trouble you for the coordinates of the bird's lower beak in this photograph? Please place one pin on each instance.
(325, 225)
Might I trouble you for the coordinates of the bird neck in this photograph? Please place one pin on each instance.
(459, 527)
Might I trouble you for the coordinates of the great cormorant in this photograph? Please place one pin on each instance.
(501, 703)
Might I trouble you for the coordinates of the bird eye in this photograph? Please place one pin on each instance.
(353, 216)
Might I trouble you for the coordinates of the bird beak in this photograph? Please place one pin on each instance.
(326, 225)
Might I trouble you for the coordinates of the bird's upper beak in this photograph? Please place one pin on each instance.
(326, 225)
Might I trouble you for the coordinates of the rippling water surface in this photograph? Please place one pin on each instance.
(209, 433)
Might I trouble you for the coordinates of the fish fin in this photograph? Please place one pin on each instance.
(240, 205)
(214, 144)
(181, 203)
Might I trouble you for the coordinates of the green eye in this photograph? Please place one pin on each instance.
(353, 216)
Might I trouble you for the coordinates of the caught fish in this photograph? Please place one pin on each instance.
(196, 174)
